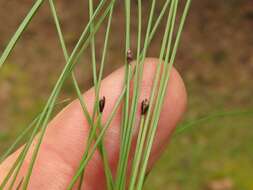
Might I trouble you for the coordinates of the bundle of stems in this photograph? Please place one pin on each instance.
(128, 175)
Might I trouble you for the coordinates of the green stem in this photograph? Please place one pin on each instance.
(84, 161)
(68, 68)
(128, 127)
(138, 154)
(17, 140)
(108, 173)
(20, 31)
(162, 92)
(81, 45)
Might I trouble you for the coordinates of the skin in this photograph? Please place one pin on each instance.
(66, 136)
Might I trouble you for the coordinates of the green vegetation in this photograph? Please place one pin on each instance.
(215, 150)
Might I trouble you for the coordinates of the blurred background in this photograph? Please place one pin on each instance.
(215, 59)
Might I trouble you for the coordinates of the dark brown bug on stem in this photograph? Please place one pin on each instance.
(101, 105)
(144, 107)
(129, 56)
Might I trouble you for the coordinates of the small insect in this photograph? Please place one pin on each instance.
(101, 105)
(144, 107)
(129, 56)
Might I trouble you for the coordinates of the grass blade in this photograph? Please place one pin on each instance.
(209, 118)
(20, 31)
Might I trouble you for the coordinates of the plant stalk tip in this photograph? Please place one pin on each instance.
(144, 107)
(101, 105)
(129, 56)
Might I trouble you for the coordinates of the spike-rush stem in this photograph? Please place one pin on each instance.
(150, 108)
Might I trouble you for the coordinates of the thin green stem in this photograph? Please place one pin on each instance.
(68, 68)
(210, 117)
(128, 127)
(108, 173)
(66, 56)
(92, 134)
(162, 92)
(18, 139)
(132, 178)
(120, 175)
(20, 31)
(84, 161)
(92, 45)
(138, 154)
(146, 134)
(105, 49)
(139, 147)
(97, 88)
(48, 108)
(94, 64)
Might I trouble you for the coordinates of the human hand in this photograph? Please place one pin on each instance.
(66, 136)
